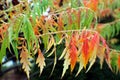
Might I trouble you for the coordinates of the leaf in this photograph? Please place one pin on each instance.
(55, 61)
(53, 50)
(85, 54)
(25, 56)
(60, 22)
(94, 43)
(63, 53)
(92, 4)
(28, 32)
(5, 44)
(114, 60)
(66, 63)
(73, 52)
(101, 54)
(36, 30)
(50, 44)
(15, 45)
(107, 55)
(45, 40)
(81, 65)
(118, 62)
(40, 61)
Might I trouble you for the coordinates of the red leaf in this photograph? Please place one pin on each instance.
(85, 49)
(94, 41)
(119, 62)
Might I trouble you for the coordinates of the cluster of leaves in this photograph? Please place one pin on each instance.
(73, 25)
(112, 30)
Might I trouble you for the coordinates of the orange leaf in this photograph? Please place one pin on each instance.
(93, 47)
(73, 52)
(40, 60)
(36, 31)
(92, 4)
(25, 56)
(60, 22)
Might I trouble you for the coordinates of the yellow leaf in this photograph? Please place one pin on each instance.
(50, 44)
(55, 61)
(81, 64)
(54, 49)
(66, 63)
(63, 53)
(40, 61)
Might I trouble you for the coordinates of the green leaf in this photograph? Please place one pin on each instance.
(28, 33)
(45, 40)
(113, 62)
(5, 44)
(15, 45)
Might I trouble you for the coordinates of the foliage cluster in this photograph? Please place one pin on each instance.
(75, 24)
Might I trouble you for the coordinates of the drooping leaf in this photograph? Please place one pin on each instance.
(118, 62)
(50, 44)
(107, 53)
(81, 65)
(66, 63)
(4, 46)
(25, 56)
(40, 61)
(114, 61)
(101, 54)
(15, 45)
(84, 53)
(94, 43)
(45, 40)
(28, 32)
(73, 52)
(63, 53)
(55, 61)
